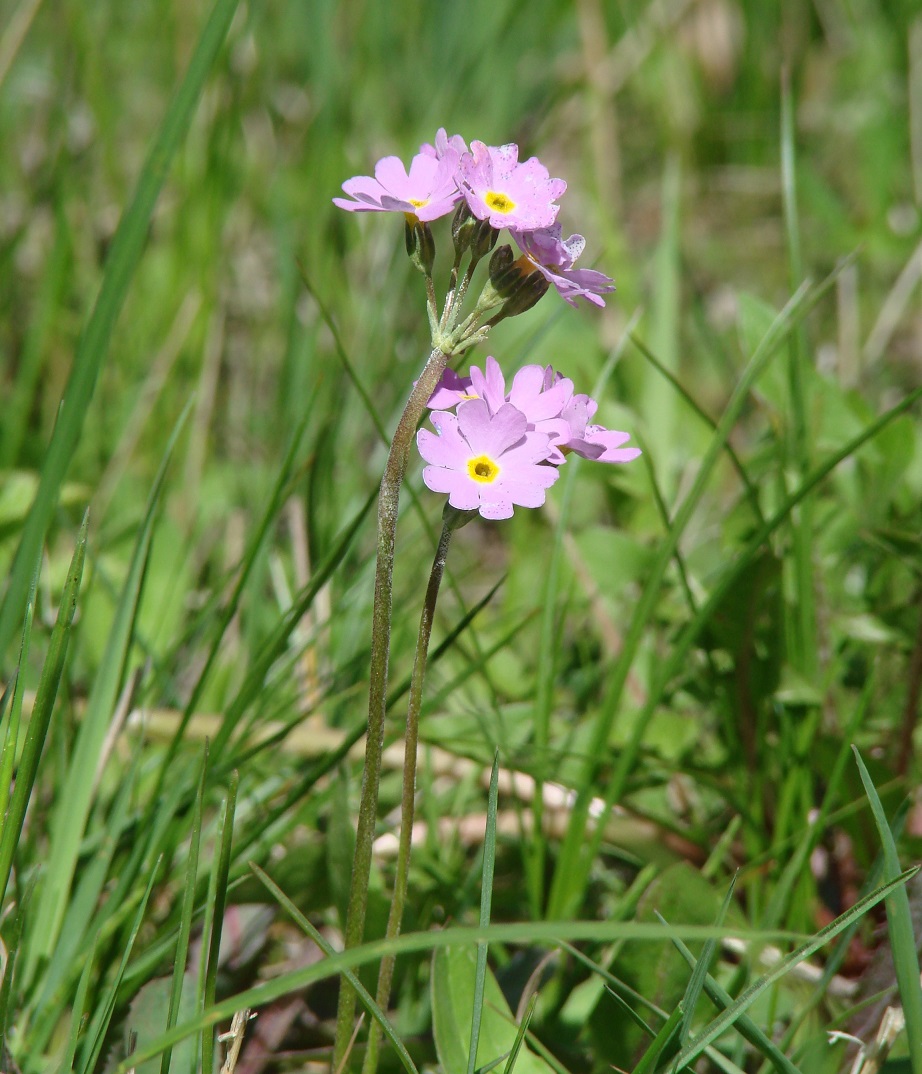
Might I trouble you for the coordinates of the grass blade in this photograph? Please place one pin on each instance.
(681, 647)
(79, 1010)
(74, 800)
(41, 711)
(96, 1034)
(724, 1021)
(899, 925)
(486, 899)
(187, 913)
(364, 995)
(695, 985)
(127, 247)
(531, 932)
(8, 969)
(221, 870)
(802, 651)
(574, 862)
(744, 1024)
(752, 494)
(669, 1030)
(11, 728)
(520, 1034)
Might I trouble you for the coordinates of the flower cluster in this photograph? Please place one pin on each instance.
(503, 448)
(490, 184)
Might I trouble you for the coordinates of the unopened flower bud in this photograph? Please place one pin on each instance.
(463, 224)
(503, 273)
(420, 243)
(469, 233)
(516, 280)
(484, 239)
(531, 288)
(454, 518)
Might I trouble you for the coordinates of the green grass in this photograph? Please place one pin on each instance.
(198, 348)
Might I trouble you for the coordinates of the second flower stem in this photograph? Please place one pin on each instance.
(408, 798)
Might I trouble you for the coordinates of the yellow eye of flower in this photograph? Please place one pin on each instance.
(498, 202)
(483, 469)
(418, 203)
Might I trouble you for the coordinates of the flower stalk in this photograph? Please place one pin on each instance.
(495, 450)
(452, 520)
(388, 503)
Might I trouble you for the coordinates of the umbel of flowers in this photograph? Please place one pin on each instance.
(493, 447)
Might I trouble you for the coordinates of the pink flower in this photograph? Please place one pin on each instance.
(429, 190)
(508, 194)
(445, 146)
(486, 462)
(537, 392)
(549, 404)
(554, 257)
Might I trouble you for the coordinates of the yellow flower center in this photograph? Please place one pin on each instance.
(483, 469)
(498, 202)
(418, 203)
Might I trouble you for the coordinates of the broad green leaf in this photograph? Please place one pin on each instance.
(454, 971)
(148, 1013)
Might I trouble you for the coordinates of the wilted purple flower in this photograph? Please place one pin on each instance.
(553, 257)
(595, 441)
(603, 445)
(429, 190)
(486, 462)
(508, 194)
(450, 390)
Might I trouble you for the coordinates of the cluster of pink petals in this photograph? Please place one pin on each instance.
(473, 455)
(554, 258)
(428, 190)
(496, 187)
(508, 194)
(486, 461)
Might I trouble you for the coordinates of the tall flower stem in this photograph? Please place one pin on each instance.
(388, 502)
(408, 800)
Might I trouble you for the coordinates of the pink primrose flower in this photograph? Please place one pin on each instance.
(486, 462)
(553, 257)
(508, 194)
(428, 190)
(539, 393)
(444, 146)
(547, 401)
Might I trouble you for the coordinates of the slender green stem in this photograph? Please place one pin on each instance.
(408, 799)
(388, 502)
(448, 308)
(432, 305)
(802, 642)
